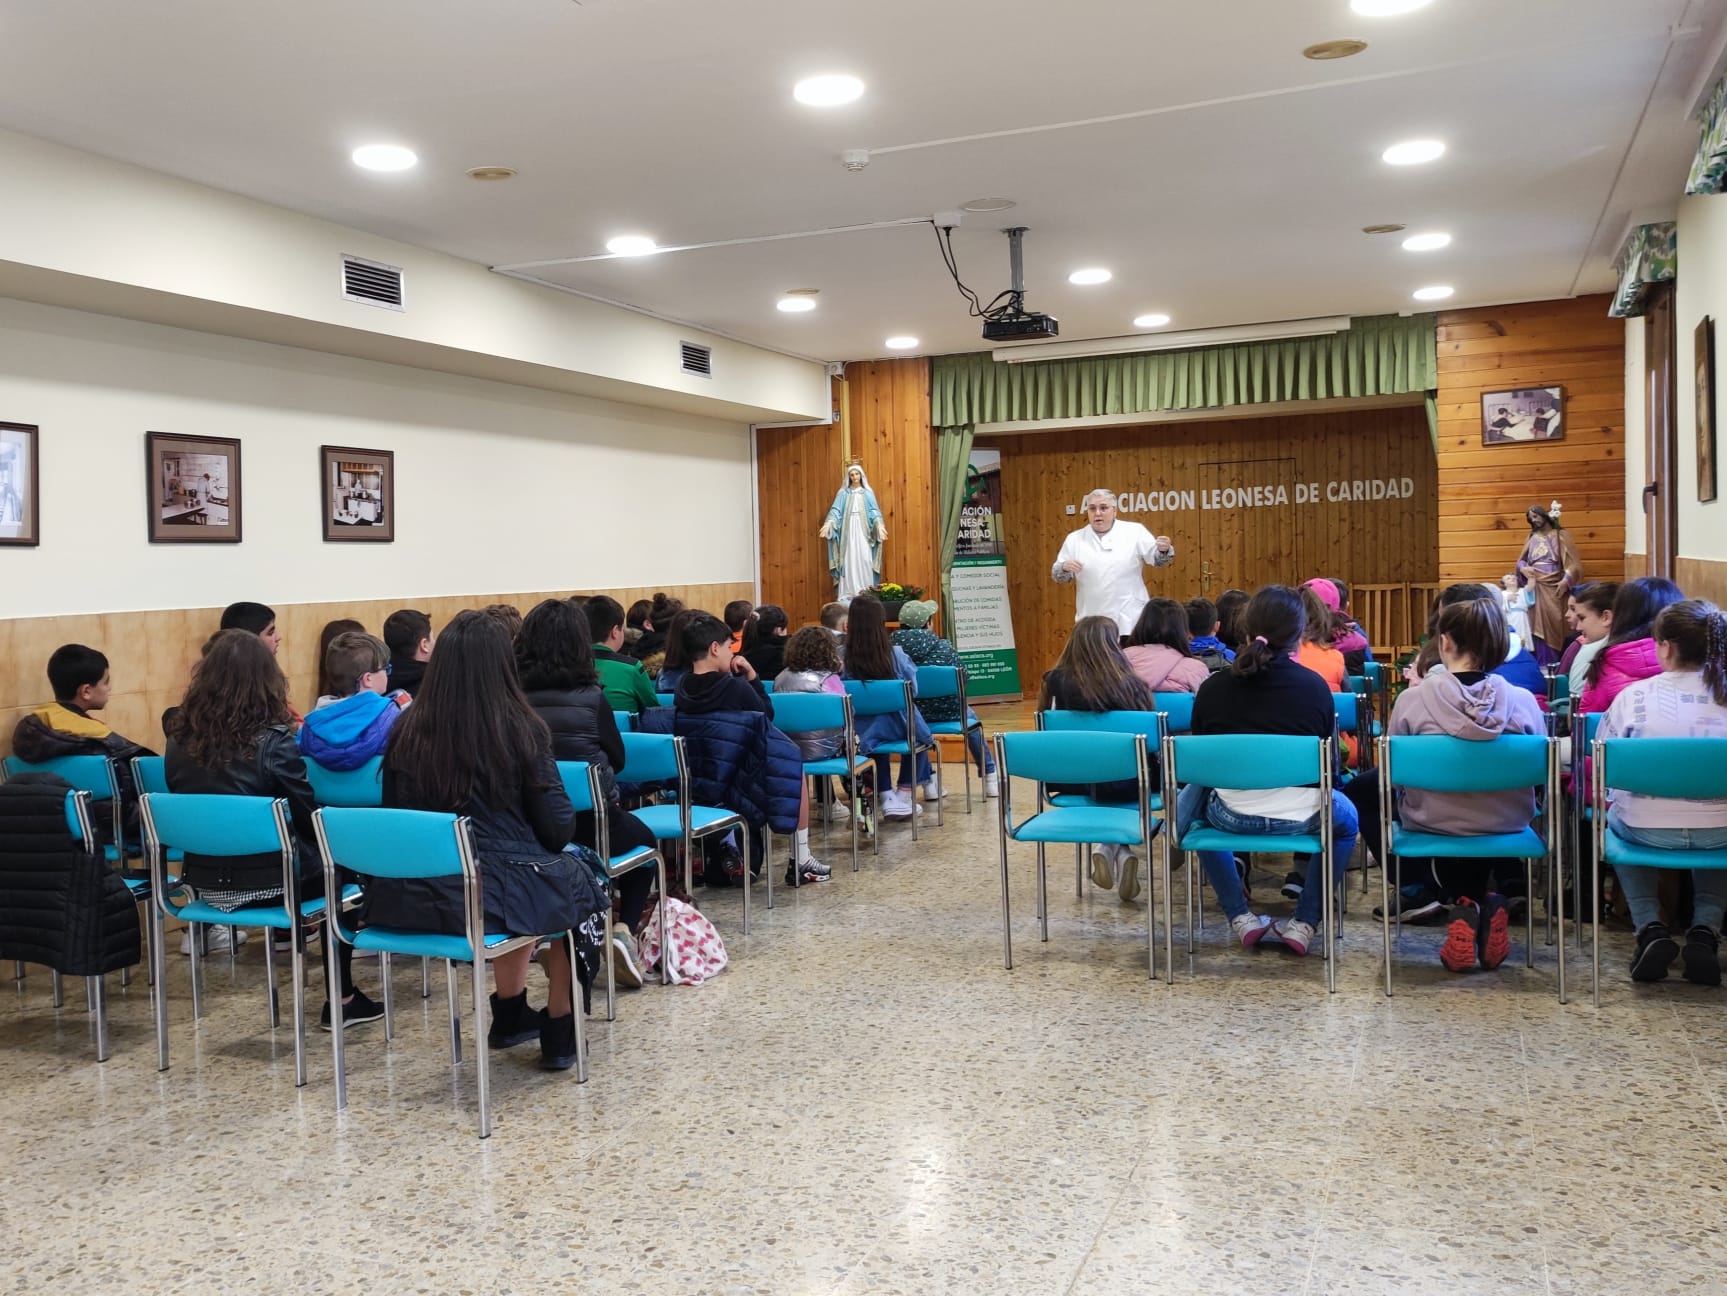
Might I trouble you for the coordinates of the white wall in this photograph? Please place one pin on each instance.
(498, 488)
(1702, 291)
(1636, 441)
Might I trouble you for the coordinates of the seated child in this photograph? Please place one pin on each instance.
(1159, 650)
(408, 632)
(626, 684)
(926, 648)
(64, 727)
(834, 617)
(1203, 625)
(343, 733)
(765, 641)
(738, 616)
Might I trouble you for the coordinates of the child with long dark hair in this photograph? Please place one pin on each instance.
(1266, 691)
(471, 745)
(234, 734)
(1094, 674)
(1688, 699)
(1159, 650)
(1629, 654)
(561, 679)
(871, 655)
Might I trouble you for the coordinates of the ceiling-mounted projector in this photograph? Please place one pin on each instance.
(1005, 319)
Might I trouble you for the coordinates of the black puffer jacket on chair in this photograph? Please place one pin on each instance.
(61, 906)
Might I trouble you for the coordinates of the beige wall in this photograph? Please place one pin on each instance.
(150, 653)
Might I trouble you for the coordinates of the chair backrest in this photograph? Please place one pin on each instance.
(1348, 716)
(150, 774)
(356, 787)
(78, 819)
(378, 842)
(666, 699)
(1558, 688)
(796, 713)
(216, 824)
(580, 778)
(652, 758)
(92, 774)
(1591, 722)
(1242, 762)
(767, 686)
(1694, 769)
(1440, 763)
(879, 697)
(938, 681)
(1356, 684)
(1178, 708)
(1375, 673)
(1074, 756)
(1146, 723)
(626, 720)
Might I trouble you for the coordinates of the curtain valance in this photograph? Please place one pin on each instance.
(1709, 171)
(1650, 256)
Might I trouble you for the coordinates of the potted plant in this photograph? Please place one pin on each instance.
(893, 596)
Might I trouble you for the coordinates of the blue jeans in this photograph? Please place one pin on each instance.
(981, 755)
(1640, 883)
(1196, 804)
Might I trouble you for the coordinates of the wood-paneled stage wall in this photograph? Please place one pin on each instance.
(1484, 491)
(1372, 519)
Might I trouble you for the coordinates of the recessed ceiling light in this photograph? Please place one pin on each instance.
(1150, 321)
(385, 157)
(827, 91)
(900, 343)
(1387, 8)
(1334, 49)
(491, 173)
(1383, 229)
(798, 300)
(1414, 152)
(988, 204)
(1439, 292)
(632, 245)
(1426, 242)
(1090, 275)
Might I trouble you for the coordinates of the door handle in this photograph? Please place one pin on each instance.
(1205, 576)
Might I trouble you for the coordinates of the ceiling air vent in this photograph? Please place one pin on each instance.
(371, 282)
(698, 360)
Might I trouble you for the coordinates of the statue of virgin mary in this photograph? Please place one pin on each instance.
(854, 532)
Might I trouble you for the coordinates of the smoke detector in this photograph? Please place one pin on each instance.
(854, 159)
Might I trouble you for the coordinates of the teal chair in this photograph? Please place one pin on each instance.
(1243, 762)
(379, 843)
(586, 790)
(216, 825)
(798, 713)
(767, 686)
(1437, 763)
(938, 682)
(1690, 769)
(1582, 814)
(660, 758)
(1151, 725)
(894, 697)
(1559, 693)
(1075, 756)
(626, 720)
(666, 699)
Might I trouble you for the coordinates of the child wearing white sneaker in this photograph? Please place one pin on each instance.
(926, 648)
(871, 655)
(1095, 675)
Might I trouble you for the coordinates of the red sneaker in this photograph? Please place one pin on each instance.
(1462, 936)
(1495, 932)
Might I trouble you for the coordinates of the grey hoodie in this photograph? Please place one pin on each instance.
(1477, 712)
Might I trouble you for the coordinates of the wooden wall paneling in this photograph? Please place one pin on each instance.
(797, 473)
(891, 434)
(1364, 542)
(1485, 490)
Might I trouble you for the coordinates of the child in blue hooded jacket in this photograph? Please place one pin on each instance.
(343, 733)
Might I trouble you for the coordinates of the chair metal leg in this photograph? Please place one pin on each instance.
(1529, 908)
(1079, 870)
(1168, 905)
(1192, 900)
(338, 1044)
(1042, 893)
(875, 805)
(611, 969)
(18, 971)
(665, 970)
(577, 1013)
(483, 1068)
(159, 985)
(125, 977)
(298, 955)
(768, 862)
(744, 838)
(233, 947)
(856, 807)
(1385, 911)
(385, 977)
(275, 1003)
(455, 1013)
(59, 988)
(1328, 877)
(966, 748)
(1559, 905)
(425, 978)
(96, 992)
(1006, 914)
(197, 931)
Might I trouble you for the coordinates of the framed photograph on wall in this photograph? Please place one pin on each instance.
(20, 485)
(1528, 414)
(358, 488)
(193, 484)
(1706, 410)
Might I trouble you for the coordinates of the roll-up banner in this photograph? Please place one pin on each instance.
(981, 619)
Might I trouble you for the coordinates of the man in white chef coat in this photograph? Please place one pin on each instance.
(1105, 560)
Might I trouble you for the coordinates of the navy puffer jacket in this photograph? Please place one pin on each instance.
(738, 761)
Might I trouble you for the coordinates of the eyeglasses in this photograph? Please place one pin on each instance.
(388, 668)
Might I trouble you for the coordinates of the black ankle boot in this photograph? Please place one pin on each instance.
(1702, 955)
(1656, 950)
(513, 1022)
(558, 1043)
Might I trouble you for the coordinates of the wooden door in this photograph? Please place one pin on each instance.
(1661, 430)
(1246, 524)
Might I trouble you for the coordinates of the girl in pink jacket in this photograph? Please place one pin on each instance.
(1630, 652)
(1159, 652)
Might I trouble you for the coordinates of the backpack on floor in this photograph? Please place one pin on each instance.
(695, 951)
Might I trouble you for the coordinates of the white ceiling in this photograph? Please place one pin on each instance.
(1239, 199)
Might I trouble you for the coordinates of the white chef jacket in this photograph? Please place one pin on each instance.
(1111, 583)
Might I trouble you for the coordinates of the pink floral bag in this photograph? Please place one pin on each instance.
(695, 951)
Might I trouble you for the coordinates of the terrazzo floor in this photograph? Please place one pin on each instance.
(867, 1102)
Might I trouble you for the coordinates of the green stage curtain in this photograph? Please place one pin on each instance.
(1709, 170)
(1378, 356)
(953, 460)
(1650, 256)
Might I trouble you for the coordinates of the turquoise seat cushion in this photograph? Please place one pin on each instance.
(1082, 824)
(630, 859)
(952, 726)
(436, 945)
(1211, 839)
(834, 766)
(1064, 800)
(665, 821)
(899, 748)
(258, 915)
(1518, 845)
(1620, 851)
